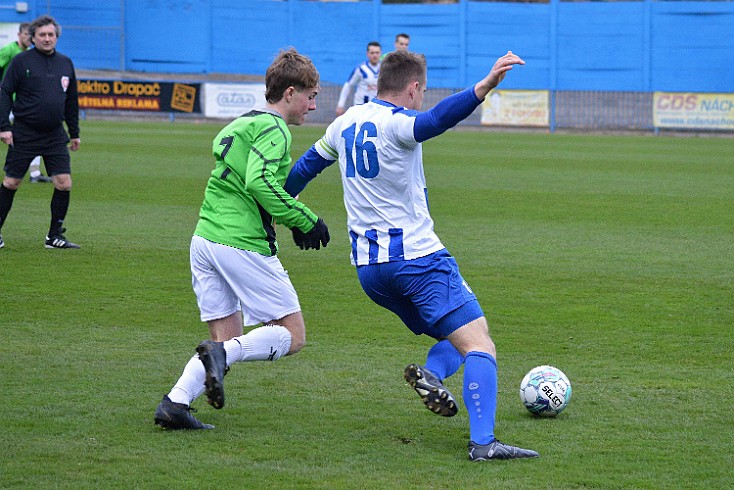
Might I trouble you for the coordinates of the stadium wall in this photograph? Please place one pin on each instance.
(635, 46)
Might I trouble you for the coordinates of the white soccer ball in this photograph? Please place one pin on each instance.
(545, 391)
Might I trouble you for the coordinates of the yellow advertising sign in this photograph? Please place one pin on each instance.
(183, 98)
(687, 110)
(516, 108)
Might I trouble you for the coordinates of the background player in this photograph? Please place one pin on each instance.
(402, 41)
(236, 275)
(363, 79)
(401, 263)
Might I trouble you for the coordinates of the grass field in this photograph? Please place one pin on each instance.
(611, 257)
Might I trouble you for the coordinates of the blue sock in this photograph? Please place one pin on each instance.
(480, 395)
(443, 359)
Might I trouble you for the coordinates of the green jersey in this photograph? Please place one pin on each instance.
(244, 196)
(7, 53)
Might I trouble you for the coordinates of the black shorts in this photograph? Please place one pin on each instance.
(28, 144)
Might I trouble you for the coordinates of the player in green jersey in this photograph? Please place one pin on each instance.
(236, 275)
(9, 51)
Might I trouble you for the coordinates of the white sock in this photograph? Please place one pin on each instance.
(191, 383)
(35, 167)
(266, 343)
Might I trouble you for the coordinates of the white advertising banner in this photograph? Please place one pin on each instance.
(8, 32)
(516, 108)
(231, 100)
(693, 110)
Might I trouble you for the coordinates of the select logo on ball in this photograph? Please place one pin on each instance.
(554, 398)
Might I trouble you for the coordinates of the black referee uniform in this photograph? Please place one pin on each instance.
(40, 89)
(45, 96)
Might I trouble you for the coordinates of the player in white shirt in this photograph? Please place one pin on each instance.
(401, 263)
(382, 166)
(363, 79)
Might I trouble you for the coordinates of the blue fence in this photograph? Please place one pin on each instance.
(636, 46)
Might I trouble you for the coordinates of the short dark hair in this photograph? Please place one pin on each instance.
(399, 69)
(24, 26)
(402, 34)
(44, 20)
(373, 43)
(289, 69)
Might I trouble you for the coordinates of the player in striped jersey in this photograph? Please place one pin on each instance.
(363, 79)
(236, 275)
(401, 263)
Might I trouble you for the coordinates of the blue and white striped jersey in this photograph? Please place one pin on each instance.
(378, 147)
(381, 166)
(363, 81)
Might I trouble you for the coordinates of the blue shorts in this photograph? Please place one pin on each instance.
(428, 294)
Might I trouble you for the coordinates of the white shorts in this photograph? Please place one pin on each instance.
(227, 279)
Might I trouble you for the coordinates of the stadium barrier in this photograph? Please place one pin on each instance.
(579, 110)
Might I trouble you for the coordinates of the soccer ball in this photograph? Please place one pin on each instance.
(545, 391)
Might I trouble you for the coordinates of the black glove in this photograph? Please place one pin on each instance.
(315, 238)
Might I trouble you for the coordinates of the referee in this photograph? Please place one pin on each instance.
(44, 85)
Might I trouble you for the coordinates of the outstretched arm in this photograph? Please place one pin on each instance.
(457, 107)
(307, 167)
(497, 74)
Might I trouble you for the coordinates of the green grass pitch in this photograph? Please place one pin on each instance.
(611, 257)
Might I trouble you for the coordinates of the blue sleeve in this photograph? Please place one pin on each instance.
(445, 115)
(305, 170)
